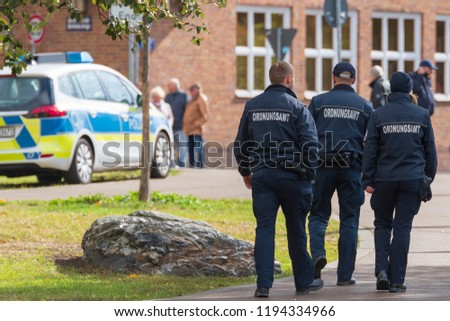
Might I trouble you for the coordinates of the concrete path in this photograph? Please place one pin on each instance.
(428, 276)
(205, 183)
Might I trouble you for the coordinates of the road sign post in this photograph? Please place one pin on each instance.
(339, 30)
(133, 19)
(131, 59)
(336, 12)
(280, 40)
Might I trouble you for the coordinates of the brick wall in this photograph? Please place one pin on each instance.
(100, 46)
(214, 62)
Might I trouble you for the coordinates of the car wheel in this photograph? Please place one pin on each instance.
(80, 171)
(161, 160)
(49, 179)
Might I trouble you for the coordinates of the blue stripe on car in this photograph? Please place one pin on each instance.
(24, 139)
(12, 120)
(54, 126)
(105, 123)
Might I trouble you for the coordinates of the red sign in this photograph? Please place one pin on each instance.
(36, 34)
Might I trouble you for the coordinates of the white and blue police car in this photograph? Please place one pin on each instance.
(70, 118)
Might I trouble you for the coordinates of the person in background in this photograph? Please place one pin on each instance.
(194, 120)
(178, 101)
(380, 87)
(422, 86)
(157, 95)
(399, 164)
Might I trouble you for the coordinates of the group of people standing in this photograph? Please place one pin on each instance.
(297, 157)
(187, 115)
(422, 86)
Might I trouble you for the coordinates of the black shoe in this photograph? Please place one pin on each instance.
(397, 288)
(352, 281)
(382, 281)
(316, 285)
(262, 292)
(319, 263)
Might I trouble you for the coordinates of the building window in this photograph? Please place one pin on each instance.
(442, 58)
(253, 51)
(396, 41)
(321, 48)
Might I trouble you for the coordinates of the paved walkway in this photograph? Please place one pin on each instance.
(428, 276)
(205, 183)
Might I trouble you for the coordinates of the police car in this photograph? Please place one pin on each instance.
(70, 118)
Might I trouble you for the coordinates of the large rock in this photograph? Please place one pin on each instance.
(158, 243)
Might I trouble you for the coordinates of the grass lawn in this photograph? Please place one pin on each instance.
(40, 252)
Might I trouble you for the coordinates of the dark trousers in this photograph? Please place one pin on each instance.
(195, 146)
(392, 232)
(270, 189)
(180, 147)
(347, 182)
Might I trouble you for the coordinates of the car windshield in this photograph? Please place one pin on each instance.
(25, 93)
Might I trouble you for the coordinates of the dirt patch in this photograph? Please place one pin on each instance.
(78, 265)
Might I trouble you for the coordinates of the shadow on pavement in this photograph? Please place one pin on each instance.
(424, 284)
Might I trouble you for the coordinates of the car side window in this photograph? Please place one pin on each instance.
(134, 94)
(115, 88)
(90, 85)
(66, 86)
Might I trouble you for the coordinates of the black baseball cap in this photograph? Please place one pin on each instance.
(428, 63)
(344, 70)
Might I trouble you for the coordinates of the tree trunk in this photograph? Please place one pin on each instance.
(144, 186)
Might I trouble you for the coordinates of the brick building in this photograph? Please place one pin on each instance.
(233, 60)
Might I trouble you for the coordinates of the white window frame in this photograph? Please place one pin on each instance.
(251, 51)
(320, 53)
(400, 55)
(444, 57)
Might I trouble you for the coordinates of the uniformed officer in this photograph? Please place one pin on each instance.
(399, 158)
(275, 132)
(341, 118)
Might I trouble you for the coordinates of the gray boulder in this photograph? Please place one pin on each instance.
(156, 243)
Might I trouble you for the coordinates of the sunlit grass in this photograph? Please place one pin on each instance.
(40, 252)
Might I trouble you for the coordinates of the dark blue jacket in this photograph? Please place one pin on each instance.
(381, 88)
(178, 103)
(423, 89)
(275, 127)
(341, 117)
(400, 143)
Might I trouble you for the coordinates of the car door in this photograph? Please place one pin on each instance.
(118, 93)
(105, 118)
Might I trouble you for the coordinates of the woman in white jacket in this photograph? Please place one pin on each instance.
(157, 95)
